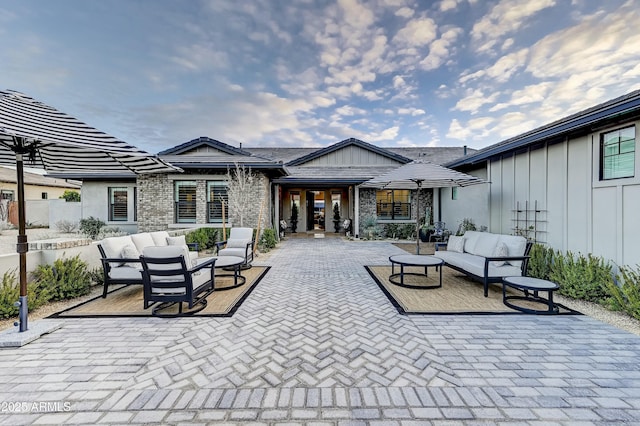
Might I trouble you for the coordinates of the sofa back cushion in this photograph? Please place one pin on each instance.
(160, 238)
(486, 244)
(142, 240)
(470, 240)
(516, 245)
(113, 246)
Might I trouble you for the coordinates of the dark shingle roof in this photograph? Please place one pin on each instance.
(607, 113)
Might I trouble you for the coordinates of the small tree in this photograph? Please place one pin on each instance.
(336, 217)
(240, 180)
(294, 217)
(70, 196)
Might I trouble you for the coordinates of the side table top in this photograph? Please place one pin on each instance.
(224, 261)
(416, 260)
(531, 283)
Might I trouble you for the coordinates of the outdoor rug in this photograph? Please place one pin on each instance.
(458, 294)
(127, 301)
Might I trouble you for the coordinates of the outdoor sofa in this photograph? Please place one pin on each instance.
(120, 256)
(486, 257)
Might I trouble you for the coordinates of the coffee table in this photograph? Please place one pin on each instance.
(233, 263)
(414, 260)
(534, 285)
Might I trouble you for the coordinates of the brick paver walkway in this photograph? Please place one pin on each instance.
(318, 343)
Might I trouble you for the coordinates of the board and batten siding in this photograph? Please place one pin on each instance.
(350, 156)
(579, 212)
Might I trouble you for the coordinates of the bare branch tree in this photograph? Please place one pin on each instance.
(240, 180)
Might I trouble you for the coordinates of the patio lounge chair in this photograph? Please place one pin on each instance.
(168, 278)
(240, 244)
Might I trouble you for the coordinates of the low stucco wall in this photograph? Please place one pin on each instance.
(47, 251)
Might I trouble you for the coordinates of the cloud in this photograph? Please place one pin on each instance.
(411, 111)
(439, 50)
(506, 17)
(475, 100)
(417, 32)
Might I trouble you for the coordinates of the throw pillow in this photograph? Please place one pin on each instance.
(131, 252)
(501, 250)
(456, 243)
(180, 240)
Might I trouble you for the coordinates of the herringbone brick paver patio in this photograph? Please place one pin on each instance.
(318, 343)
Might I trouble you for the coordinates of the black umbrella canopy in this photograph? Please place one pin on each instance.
(421, 174)
(41, 136)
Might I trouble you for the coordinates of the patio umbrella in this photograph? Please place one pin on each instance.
(420, 174)
(44, 137)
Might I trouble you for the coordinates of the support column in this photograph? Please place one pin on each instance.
(276, 207)
(356, 212)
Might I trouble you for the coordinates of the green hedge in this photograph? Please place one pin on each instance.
(626, 296)
(580, 277)
(205, 237)
(67, 278)
(267, 240)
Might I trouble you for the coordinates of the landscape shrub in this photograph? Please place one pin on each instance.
(585, 278)
(401, 231)
(70, 196)
(67, 226)
(540, 262)
(91, 227)
(626, 296)
(10, 293)
(267, 240)
(65, 279)
(205, 237)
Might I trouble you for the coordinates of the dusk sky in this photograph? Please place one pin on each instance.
(157, 73)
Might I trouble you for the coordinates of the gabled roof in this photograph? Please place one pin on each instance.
(204, 141)
(190, 155)
(343, 144)
(608, 113)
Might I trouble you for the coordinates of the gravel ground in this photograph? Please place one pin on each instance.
(8, 245)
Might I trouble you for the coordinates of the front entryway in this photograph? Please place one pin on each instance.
(315, 211)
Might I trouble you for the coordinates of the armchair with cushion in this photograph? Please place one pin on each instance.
(240, 243)
(168, 279)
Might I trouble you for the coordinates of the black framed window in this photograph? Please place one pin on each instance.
(393, 204)
(118, 204)
(216, 196)
(185, 201)
(618, 154)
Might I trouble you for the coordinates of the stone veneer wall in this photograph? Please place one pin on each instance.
(368, 204)
(156, 203)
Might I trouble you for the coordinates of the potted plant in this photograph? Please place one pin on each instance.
(425, 231)
(336, 217)
(294, 217)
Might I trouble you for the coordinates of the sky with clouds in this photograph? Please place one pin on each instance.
(157, 73)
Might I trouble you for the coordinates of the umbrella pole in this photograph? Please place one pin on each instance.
(419, 182)
(22, 247)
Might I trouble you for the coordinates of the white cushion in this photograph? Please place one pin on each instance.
(241, 233)
(240, 252)
(113, 246)
(500, 251)
(237, 243)
(486, 244)
(129, 252)
(456, 243)
(142, 240)
(180, 240)
(160, 238)
(470, 240)
(475, 264)
(125, 273)
(516, 245)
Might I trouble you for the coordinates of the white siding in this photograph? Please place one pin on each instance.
(454, 211)
(579, 213)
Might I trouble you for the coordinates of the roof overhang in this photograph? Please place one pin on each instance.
(612, 112)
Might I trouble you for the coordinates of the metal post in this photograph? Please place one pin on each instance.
(22, 247)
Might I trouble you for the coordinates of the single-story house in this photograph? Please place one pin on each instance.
(313, 179)
(573, 184)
